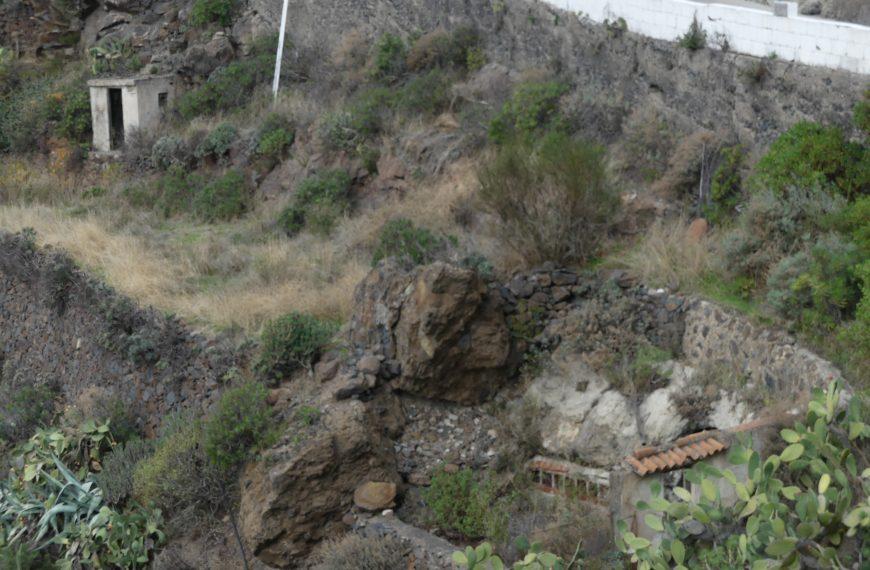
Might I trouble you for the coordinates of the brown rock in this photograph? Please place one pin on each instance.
(560, 294)
(326, 370)
(298, 494)
(375, 495)
(419, 479)
(697, 229)
(279, 396)
(369, 364)
(442, 325)
(451, 468)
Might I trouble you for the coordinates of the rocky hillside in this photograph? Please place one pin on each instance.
(483, 275)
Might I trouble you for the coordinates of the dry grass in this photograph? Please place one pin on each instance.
(666, 257)
(236, 275)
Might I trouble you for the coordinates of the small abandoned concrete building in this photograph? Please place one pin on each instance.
(120, 106)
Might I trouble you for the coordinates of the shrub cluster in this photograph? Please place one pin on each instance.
(239, 426)
(459, 503)
(24, 408)
(401, 239)
(318, 203)
(695, 38)
(291, 342)
(169, 151)
(388, 59)
(212, 11)
(229, 87)
(224, 198)
(553, 200)
(217, 143)
(532, 110)
(809, 155)
(458, 49)
(220, 198)
(274, 137)
(354, 552)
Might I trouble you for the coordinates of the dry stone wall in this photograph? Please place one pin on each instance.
(59, 325)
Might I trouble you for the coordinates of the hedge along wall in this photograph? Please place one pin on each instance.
(758, 32)
(59, 325)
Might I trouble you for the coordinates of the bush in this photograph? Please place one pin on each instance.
(354, 552)
(218, 143)
(222, 199)
(276, 135)
(726, 183)
(775, 225)
(116, 478)
(459, 49)
(176, 191)
(24, 408)
(239, 426)
(400, 238)
(552, 202)
(72, 111)
(21, 557)
(179, 477)
(229, 87)
(291, 342)
(818, 287)
(459, 503)
(532, 110)
(862, 113)
(169, 151)
(809, 155)
(319, 201)
(426, 94)
(363, 119)
(388, 60)
(208, 11)
(695, 38)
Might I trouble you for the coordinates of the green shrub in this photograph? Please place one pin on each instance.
(239, 426)
(24, 408)
(773, 225)
(355, 552)
(208, 11)
(459, 49)
(360, 121)
(726, 184)
(856, 335)
(400, 238)
(114, 56)
(862, 113)
(695, 38)
(427, 94)
(222, 199)
(217, 144)
(179, 477)
(818, 287)
(388, 61)
(532, 109)
(116, 478)
(809, 155)
(21, 557)
(169, 151)
(276, 135)
(553, 201)
(319, 201)
(459, 503)
(176, 191)
(229, 87)
(72, 111)
(291, 342)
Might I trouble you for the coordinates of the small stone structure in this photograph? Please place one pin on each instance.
(120, 106)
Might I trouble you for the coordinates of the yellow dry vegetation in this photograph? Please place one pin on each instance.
(236, 275)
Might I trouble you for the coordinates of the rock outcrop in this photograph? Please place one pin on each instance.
(442, 328)
(299, 492)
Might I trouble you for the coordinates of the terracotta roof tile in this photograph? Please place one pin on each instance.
(677, 455)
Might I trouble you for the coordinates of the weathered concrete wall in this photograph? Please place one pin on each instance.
(757, 32)
(58, 324)
(770, 358)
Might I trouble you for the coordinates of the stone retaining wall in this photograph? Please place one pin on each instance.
(59, 325)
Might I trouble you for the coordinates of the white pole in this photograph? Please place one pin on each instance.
(280, 54)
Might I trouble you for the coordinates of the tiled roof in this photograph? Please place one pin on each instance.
(677, 455)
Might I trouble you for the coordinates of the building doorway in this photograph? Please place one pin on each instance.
(116, 119)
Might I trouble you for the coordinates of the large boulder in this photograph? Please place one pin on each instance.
(299, 492)
(441, 324)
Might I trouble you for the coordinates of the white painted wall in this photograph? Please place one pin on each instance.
(758, 32)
